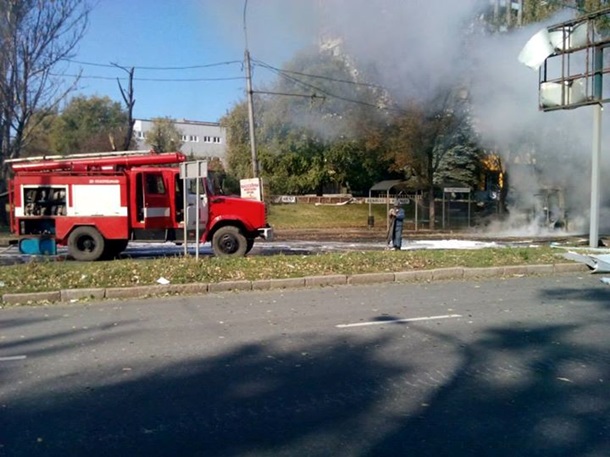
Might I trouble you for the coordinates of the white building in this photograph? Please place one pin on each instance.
(202, 140)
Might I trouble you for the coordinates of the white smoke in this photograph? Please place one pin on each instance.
(417, 46)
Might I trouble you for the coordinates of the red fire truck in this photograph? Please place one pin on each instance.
(96, 203)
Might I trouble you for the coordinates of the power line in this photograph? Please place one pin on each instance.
(319, 89)
(287, 74)
(229, 78)
(327, 78)
(286, 94)
(186, 67)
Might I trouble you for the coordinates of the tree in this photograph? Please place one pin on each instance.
(130, 102)
(164, 136)
(462, 161)
(35, 37)
(422, 137)
(89, 124)
(501, 18)
(235, 122)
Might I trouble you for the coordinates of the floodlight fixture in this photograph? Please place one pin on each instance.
(569, 58)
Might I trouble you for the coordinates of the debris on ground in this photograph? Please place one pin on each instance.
(597, 263)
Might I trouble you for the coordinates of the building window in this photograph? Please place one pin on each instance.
(217, 139)
(207, 139)
(184, 138)
(194, 138)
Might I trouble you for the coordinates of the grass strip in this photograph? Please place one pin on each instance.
(50, 275)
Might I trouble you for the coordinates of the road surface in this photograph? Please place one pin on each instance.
(502, 367)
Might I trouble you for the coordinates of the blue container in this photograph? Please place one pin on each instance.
(38, 245)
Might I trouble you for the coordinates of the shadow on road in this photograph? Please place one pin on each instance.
(519, 392)
(515, 391)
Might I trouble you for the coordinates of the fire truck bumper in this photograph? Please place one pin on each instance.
(266, 233)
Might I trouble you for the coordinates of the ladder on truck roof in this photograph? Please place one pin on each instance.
(95, 162)
(87, 155)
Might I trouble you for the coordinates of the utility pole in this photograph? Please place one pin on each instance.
(255, 168)
(249, 95)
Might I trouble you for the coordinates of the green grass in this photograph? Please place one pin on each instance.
(310, 216)
(55, 275)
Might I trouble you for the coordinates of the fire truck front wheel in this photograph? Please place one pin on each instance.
(229, 241)
(249, 244)
(86, 244)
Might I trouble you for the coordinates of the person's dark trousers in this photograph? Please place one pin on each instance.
(397, 236)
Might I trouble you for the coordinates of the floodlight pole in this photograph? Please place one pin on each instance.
(596, 150)
(538, 50)
(595, 176)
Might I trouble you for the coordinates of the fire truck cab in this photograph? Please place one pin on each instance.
(95, 204)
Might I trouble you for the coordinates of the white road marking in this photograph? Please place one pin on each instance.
(12, 357)
(396, 321)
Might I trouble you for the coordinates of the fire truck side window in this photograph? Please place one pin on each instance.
(154, 184)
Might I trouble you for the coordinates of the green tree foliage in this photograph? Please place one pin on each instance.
(537, 10)
(239, 159)
(461, 162)
(499, 18)
(590, 6)
(89, 124)
(460, 156)
(164, 136)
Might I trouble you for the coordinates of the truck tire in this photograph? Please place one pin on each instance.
(114, 248)
(229, 241)
(86, 244)
(249, 244)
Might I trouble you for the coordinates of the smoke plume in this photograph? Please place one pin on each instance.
(418, 46)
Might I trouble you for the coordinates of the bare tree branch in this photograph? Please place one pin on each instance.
(129, 103)
(35, 37)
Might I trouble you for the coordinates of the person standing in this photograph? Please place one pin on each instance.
(396, 220)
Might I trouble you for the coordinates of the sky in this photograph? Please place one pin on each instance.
(208, 34)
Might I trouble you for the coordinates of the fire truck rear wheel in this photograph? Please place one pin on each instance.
(86, 244)
(229, 241)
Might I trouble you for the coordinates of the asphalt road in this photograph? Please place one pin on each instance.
(513, 367)
(10, 255)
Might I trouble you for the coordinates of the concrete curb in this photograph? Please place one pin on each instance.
(440, 274)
